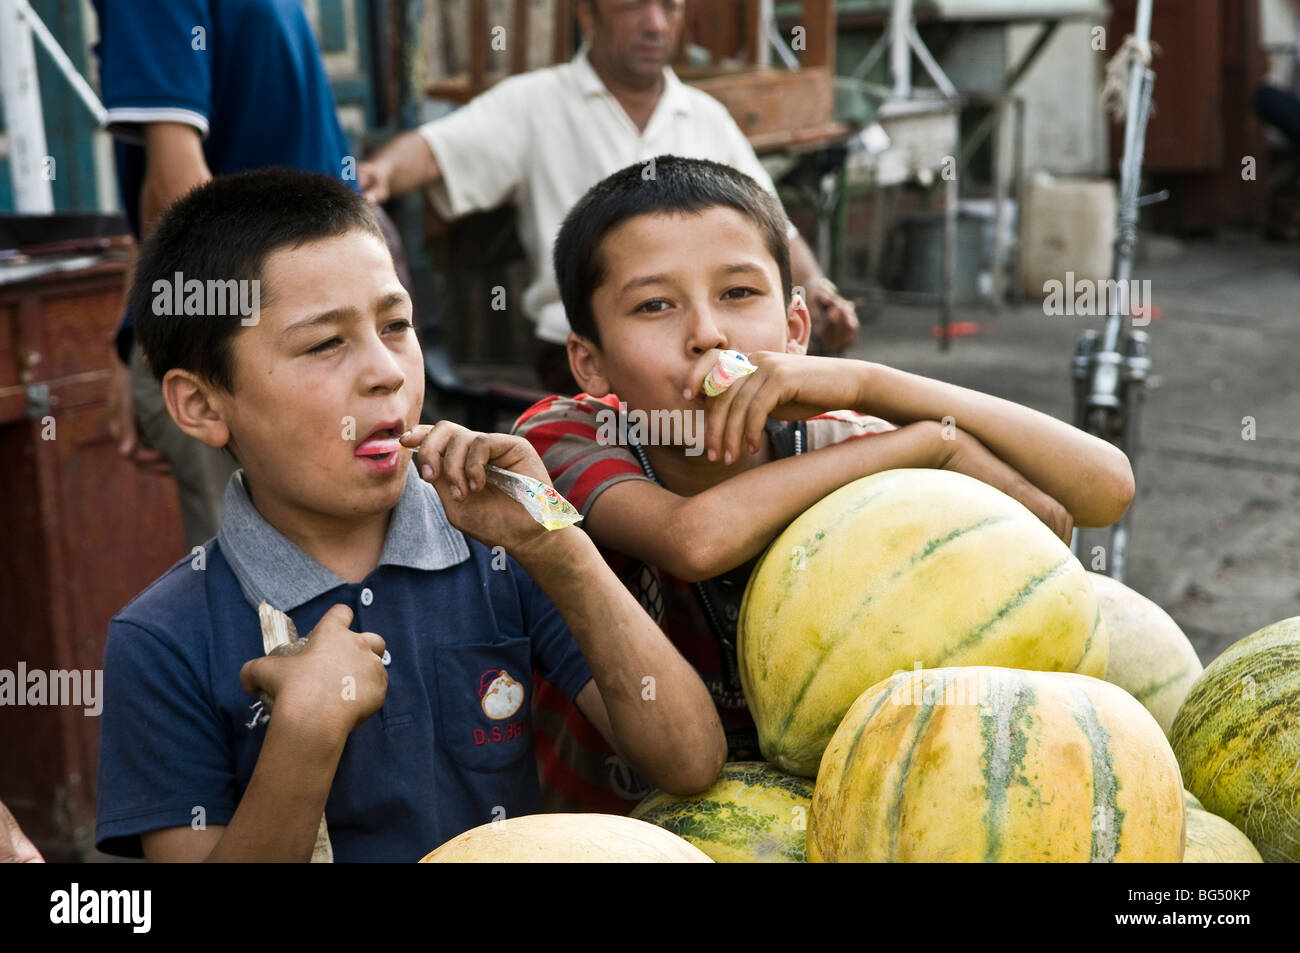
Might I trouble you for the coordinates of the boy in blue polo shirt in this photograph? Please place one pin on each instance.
(428, 602)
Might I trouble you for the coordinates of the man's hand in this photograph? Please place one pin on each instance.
(454, 460)
(374, 179)
(121, 421)
(15, 847)
(334, 684)
(786, 386)
(834, 319)
(405, 164)
(972, 458)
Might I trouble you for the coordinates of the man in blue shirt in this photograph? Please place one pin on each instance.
(406, 720)
(197, 88)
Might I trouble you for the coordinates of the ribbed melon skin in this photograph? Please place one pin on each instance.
(566, 839)
(1150, 657)
(997, 765)
(1237, 737)
(899, 570)
(1212, 840)
(754, 813)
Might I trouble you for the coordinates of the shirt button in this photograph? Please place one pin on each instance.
(367, 596)
(387, 658)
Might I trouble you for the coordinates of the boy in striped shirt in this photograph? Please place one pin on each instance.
(661, 268)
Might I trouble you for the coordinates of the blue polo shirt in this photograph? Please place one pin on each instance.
(247, 74)
(446, 752)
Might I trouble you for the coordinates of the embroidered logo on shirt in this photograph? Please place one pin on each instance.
(500, 694)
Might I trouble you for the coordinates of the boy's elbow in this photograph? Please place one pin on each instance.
(696, 560)
(692, 557)
(696, 774)
(1123, 487)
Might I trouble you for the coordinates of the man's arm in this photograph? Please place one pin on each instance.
(174, 164)
(835, 320)
(681, 533)
(404, 164)
(1090, 477)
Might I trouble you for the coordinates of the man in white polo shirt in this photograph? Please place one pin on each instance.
(540, 140)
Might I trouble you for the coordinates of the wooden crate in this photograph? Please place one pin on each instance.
(84, 532)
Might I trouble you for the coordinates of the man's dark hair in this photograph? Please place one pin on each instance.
(672, 185)
(224, 231)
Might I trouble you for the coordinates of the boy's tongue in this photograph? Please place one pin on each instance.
(378, 445)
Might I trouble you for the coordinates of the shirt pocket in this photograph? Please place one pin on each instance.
(484, 704)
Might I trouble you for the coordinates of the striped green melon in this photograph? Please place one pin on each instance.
(1237, 737)
(752, 813)
(1150, 658)
(1212, 840)
(900, 570)
(997, 765)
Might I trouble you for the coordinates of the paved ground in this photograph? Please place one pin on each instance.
(1215, 526)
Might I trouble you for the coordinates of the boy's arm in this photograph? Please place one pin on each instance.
(644, 698)
(685, 534)
(666, 727)
(278, 816)
(1090, 477)
(280, 812)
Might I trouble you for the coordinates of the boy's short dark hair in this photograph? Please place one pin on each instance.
(677, 185)
(221, 232)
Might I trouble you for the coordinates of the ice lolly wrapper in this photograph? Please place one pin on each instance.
(280, 637)
(539, 499)
(731, 366)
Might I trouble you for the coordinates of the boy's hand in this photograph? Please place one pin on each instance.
(454, 460)
(335, 683)
(786, 386)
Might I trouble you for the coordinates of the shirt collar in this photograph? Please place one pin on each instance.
(270, 567)
(592, 85)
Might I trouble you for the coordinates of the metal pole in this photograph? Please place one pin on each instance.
(23, 120)
(765, 28)
(79, 85)
(1110, 369)
(900, 55)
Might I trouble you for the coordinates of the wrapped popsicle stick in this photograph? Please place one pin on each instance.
(280, 637)
(539, 499)
(731, 366)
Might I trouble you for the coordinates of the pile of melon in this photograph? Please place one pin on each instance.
(935, 677)
(954, 686)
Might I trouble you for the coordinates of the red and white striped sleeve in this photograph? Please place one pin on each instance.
(566, 433)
